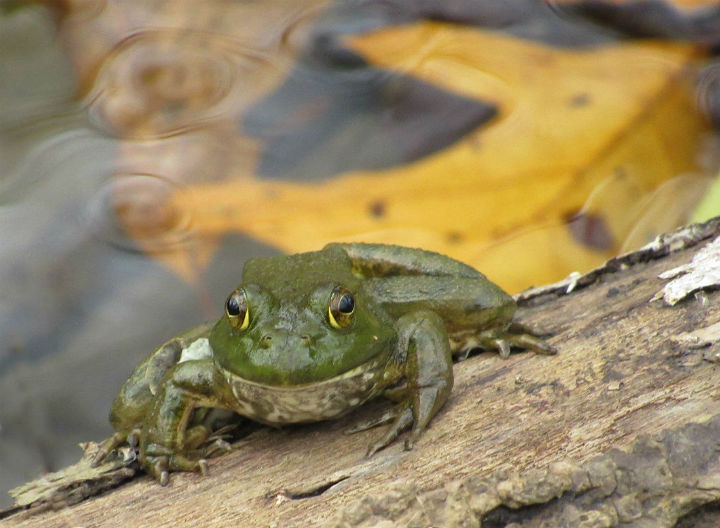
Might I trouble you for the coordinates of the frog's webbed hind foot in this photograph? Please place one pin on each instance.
(503, 341)
(111, 443)
(527, 338)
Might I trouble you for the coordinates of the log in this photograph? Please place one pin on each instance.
(619, 429)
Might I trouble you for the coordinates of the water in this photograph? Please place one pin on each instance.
(148, 148)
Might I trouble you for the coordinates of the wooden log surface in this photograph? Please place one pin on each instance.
(619, 429)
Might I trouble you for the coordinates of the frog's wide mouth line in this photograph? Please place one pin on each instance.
(200, 349)
(367, 370)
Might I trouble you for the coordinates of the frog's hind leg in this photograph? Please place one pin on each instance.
(516, 335)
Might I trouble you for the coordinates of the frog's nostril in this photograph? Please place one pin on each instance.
(306, 339)
(265, 341)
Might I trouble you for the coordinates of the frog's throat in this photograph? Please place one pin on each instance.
(310, 402)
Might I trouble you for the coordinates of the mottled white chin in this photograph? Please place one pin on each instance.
(312, 402)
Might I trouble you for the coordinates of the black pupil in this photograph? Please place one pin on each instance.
(346, 304)
(233, 305)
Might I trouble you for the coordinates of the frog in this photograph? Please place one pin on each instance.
(311, 337)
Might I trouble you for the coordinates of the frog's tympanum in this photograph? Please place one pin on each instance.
(311, 337)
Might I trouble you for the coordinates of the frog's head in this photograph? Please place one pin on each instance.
(300, 319)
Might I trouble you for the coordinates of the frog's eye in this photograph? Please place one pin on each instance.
(237, 311)
(342, 307)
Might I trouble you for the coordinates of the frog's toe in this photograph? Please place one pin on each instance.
(525, 337)
(217, 446)
(158, 468)
(111, 443)
(402, 421)
(502, 346)
(183, 463)
(504, 341)
(386, 417)
(161, 466)
(133, 439)
(106, 447)
(530, 342)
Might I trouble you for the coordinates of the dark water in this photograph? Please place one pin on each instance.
(107, 113)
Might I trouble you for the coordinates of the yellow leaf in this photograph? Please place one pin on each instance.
(570, 120)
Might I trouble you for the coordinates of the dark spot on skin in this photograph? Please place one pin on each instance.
(377, 209)
(580, 100)
(591, 230)
(454, 237)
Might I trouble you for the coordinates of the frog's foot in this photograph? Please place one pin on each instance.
(218, 446)
(384, 418)
(159, 461)
(401, 417)
(525, 337)
(113, 442)
(208, 443)
(503, 340)
(403, 420)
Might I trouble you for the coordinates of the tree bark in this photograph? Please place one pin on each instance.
(619, 429)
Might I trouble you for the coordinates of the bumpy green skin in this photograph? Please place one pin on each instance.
(413, 310)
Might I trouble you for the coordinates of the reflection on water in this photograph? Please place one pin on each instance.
(708, 92)
(148, 148)
(159, 83)
(141, 200)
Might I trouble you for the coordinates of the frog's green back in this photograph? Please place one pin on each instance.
(289, 275)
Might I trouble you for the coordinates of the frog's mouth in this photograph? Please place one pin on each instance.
(310, 402)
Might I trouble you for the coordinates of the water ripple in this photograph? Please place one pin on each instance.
(134, 212)
(161, 83)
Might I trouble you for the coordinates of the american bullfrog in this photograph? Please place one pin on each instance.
(310, 337)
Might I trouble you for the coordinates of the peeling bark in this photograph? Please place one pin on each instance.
(619, 429)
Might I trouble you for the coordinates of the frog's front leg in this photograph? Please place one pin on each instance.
(137, 394)
(424, 355)
(166, 442)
